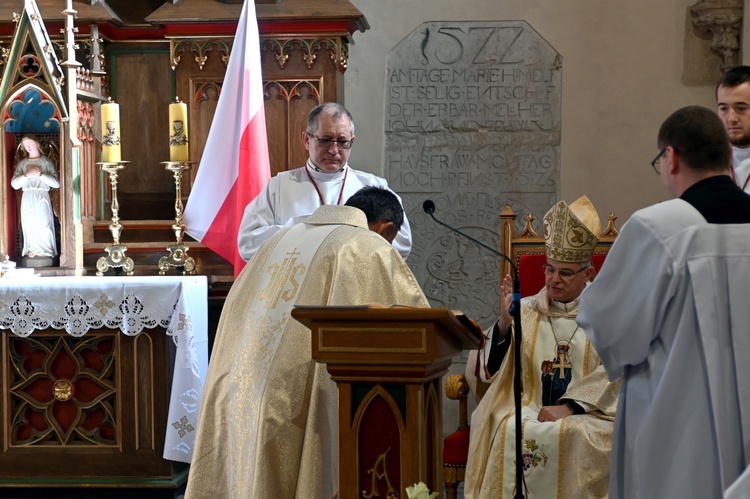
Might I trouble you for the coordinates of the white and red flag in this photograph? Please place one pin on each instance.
(234, 167)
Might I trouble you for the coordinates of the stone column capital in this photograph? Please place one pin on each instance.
(723, 20)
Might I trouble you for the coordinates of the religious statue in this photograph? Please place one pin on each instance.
(35, 174)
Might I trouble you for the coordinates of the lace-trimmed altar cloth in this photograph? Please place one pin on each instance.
(132, 305)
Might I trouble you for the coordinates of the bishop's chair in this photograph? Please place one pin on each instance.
(526, 248)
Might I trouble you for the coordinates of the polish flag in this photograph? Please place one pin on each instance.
(234, 167)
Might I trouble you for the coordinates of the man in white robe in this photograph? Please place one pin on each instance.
(268, 422)
(326, 179)
(567, 405)
(669, 311)
(733, 103)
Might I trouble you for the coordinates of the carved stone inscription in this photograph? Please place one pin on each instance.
(472, 122)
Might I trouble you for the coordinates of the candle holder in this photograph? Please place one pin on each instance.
(177, 257)
(115, 252)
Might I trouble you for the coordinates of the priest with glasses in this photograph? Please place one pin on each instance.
(568, 405)
(327, 179)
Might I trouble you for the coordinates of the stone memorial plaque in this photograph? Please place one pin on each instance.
(472, 122)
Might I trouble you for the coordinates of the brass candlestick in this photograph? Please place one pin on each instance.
(177, 257)
(116, 252)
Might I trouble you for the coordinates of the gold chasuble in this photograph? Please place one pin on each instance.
(268, 422)
(567, 458)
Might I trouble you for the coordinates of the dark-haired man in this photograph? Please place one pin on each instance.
(669, 312)
(268, 423)
(733, 102)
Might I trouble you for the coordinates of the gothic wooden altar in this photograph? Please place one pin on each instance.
(145, 55)
(102, 381)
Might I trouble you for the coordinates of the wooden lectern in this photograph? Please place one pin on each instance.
(388, 364)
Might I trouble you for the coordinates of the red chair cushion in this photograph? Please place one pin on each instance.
(531, 275)
(456, 448)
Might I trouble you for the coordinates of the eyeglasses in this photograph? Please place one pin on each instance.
(655, 164)
(565, 274)
(327, 143)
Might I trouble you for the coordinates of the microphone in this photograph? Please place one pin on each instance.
(515, 310)
(429, 207)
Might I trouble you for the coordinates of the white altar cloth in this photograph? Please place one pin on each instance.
(130, 304)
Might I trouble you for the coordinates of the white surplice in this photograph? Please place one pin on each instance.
(741, 165)
(740, 489)
(290, 197)
(670, 311)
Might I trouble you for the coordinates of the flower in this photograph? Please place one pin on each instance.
(420, 491)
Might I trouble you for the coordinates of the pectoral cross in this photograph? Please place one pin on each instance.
(562, 364)
(562, 359)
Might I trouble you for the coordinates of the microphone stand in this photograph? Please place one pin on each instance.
(515, 310)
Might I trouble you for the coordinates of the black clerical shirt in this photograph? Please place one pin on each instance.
(719, 200)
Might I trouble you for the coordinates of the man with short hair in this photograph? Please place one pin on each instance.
(733, 101)
(568, 405)
(669, 312)
(268, 422)
(326, 179)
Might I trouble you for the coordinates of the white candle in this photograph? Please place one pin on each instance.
(178, 132)
(111, 132)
